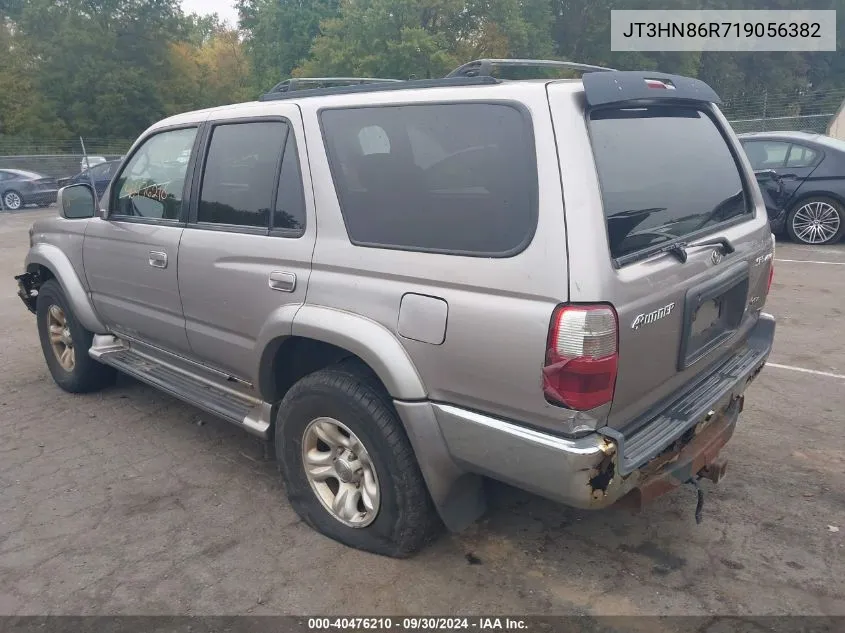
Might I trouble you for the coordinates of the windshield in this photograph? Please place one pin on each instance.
(665, 172)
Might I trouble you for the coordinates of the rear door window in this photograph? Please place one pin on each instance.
(766, 154)
(801, 156)
(450, 178)
(665, 172)
(240, 173)
(289, 213)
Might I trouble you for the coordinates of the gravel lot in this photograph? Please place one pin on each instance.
(130, 502)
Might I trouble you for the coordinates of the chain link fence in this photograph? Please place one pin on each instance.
(810, 111)
(58, 158)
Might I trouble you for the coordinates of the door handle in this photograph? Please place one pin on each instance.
(282, 281)
(158, 259)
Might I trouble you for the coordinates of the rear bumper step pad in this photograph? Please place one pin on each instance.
(715, 390)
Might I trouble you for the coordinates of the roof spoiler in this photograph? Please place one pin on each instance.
(623, 86)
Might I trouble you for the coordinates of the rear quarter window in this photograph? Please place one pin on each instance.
(665, 172)
(455, 178)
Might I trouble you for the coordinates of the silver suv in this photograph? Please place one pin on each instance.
(408, 286)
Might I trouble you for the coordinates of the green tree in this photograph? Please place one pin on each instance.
(23, 112)
(426, 38)
(279, 34)
(199, 29)
(215, 72)
(98, 64)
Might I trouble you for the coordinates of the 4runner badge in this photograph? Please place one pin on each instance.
(651, 317)
(762, 259)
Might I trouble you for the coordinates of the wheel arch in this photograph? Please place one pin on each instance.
(802, 196)
(333, 333)
(48, 261)
(319, 337)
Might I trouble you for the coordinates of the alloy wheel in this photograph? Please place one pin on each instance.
(340, 471)
(12, 201)
(816, 222)
(60, 338)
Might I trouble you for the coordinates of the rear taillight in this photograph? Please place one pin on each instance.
(771, 267)
(581, 356)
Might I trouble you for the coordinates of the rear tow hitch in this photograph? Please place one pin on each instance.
(714, 472)
(700, 494)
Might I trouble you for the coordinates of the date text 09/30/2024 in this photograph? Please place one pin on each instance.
(417, 624)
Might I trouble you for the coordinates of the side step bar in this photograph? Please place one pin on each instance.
(206, 393)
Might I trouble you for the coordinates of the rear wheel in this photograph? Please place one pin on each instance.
(12, 200)
(348, 467)
(816, 221)
(65, 344)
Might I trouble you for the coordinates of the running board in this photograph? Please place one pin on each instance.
(206, 393)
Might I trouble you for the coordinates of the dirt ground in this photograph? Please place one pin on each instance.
(130, 502)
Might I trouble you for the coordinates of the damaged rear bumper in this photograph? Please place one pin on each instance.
(602, 468)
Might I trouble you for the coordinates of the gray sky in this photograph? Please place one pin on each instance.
(224, 8)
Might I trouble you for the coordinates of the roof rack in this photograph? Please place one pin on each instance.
(484, 67)
(378, 86)
(324, 82)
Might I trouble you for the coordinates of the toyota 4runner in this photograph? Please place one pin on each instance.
(406, 286)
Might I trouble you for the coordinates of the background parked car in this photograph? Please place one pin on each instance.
(19, 188)
(802, 176)
(102, 175)
(92, 160)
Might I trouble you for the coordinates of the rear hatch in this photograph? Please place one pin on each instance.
(665, 223)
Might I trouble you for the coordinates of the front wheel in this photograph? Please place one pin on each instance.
(816, 221)
(65, 344)
(12, 200)
(348, 467)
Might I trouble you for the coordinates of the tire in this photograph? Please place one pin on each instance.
(83, 374)
(405, 519)
(828, 216)
(12, 200)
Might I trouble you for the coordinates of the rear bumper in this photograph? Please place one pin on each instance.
(598, 470)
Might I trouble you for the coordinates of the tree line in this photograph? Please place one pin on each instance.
(110, 68)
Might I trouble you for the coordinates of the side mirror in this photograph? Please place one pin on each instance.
(76, 202)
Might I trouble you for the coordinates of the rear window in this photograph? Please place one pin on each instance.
(665, 172)
(448, 178)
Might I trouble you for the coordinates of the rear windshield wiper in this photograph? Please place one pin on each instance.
(725, 243)
(679, 248)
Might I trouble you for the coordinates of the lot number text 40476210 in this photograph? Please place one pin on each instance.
(417, 624)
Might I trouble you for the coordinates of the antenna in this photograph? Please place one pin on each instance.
(90, 175)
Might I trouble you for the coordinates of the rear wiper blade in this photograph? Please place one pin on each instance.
(678, 249)
(725, 243)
